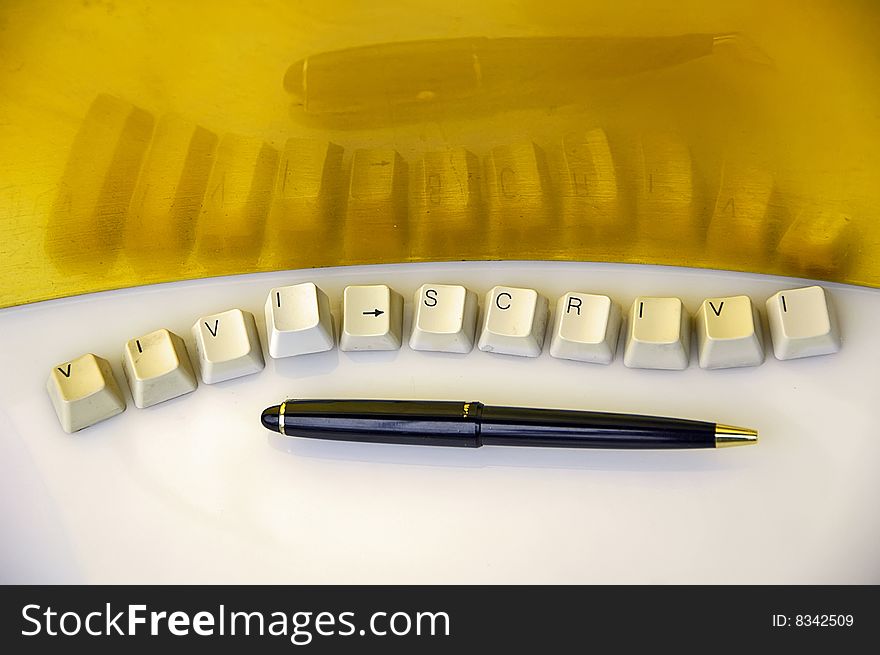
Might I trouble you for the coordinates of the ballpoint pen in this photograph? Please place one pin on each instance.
(472, 424)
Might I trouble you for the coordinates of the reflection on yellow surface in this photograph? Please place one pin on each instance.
(376, 221)
(309, 179)
(148, 141)
(87, 219)
(230, 228)
(168, 197)
(588, 187)
(666, 193)
(743, 208)
(431, 73)
(520, 198)
(818, 242)
(446, 203)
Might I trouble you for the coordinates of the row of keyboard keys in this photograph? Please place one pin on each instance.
(157, 368)
(586, 328)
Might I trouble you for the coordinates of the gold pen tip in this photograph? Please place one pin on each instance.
(731, 435)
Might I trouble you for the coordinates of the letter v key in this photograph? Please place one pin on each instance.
(717, 311)
(217, 327)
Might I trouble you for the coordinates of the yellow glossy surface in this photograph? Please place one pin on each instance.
(143, 142)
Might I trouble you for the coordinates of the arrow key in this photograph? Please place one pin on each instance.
(372, 318)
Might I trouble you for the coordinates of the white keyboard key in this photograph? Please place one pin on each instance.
(298, 320)
(802, 323)
(228, 346)
(586, 328)
(514, 322)
(372, 318)
(84, 392)
(729, 333)
(445, 319)
(157, 368)
(658, 334)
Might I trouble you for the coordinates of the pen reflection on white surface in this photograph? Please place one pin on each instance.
(669, 461)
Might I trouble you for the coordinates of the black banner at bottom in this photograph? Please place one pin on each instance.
(431, 619)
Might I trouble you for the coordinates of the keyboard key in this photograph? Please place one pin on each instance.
(84, 392)
(729, 333)
(157, 368)
(658, 334)
(586, 328)
(514, 322)
(298, 320)
(228, 346)
(372, 318)
(445, 319)
(802, 323)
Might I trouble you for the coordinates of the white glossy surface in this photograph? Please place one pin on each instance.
(195, 490)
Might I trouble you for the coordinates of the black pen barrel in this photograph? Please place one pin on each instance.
(472, 424)
(428, 423)
(518, 426)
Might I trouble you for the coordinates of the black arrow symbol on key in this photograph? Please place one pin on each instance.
(375, 312)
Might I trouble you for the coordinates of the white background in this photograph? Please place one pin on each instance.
(195, 490)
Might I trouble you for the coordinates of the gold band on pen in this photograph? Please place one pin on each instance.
(281, 418)
(731, 435)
